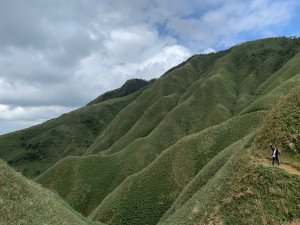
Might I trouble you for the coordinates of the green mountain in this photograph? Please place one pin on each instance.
(191, 147)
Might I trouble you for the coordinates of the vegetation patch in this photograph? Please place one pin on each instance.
(282, 129)
(24, 202)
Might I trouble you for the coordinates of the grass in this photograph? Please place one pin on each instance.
(154, 189)
(198, 202)
(25, 202)
(282, 126)
(263, 196)
(282, 129)
(179, 150)
(238, 193)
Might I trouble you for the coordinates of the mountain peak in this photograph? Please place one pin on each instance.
(129, 87)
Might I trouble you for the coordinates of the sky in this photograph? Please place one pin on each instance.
(58, 55)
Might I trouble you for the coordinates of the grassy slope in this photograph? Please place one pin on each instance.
(171, 84)
(110, 170)
(226, 89)
(282, 129)
(242, 192)
(288, 108)
(35, 149)
(24, 202)
(155, 188)
(178, 149)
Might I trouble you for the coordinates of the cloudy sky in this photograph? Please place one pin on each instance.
(57, 55)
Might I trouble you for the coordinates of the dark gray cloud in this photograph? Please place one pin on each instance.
(58, 55)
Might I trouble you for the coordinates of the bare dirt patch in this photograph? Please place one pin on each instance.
(296, 222)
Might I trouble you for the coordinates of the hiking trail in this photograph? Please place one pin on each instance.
(268, 163)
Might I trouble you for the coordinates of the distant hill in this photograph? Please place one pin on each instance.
(128, 88)
(35, 149)
(192, 147)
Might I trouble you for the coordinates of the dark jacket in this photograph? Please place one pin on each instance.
(276, 151)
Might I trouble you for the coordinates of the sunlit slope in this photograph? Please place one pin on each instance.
(35, 149)
(192, 98)
(219, 92)
(245, 191)
(110, 170)
(157, 186)
(24, 202)
(286, 78)
(240, 193)
(153, 190)
(282, 129)
(173, 84)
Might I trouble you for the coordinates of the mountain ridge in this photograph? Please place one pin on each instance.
(129, 87)
(160, 154)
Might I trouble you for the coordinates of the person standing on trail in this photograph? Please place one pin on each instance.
(275, 153)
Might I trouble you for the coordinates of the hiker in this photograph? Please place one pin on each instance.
(275, 153)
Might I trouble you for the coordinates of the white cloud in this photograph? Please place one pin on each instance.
(13, 125)
(207, 51)
(112, 72)
(19, 117)
(30, 113)
(165, 59)
(230, 22)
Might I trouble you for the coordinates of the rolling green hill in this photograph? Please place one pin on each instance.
(191, 147)
(24, 202)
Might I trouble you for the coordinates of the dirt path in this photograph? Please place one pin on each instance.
(283, 166)
(296, 222)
